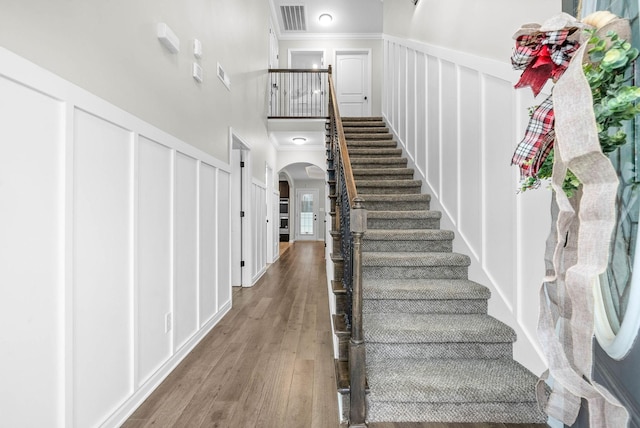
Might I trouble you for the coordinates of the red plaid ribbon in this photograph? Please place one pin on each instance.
(543, 55)
(538, 140)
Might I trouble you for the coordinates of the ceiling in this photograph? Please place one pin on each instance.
(350, 17)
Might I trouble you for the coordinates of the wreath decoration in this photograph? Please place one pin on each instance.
(544, 55)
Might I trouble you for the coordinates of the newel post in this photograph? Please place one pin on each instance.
(357, 372)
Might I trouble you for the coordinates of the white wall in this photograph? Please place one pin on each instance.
(459, 119)
(111, 49)
(108, 225)
(330, 46)
(480, 27)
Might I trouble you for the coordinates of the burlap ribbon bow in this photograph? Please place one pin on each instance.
(578, 248)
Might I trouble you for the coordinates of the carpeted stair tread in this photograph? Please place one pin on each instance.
(388, 183)
(450, 381)
(433, 289)
(366, 162)
(418, 259)
(371, 144)
(408, 235)
(404, 215)
(389, 187)
(349, 119)
(408, 240)
(401, 328)
(376, 152)
(377, 172)
(363, 123)
(348, 129)
(423, 197)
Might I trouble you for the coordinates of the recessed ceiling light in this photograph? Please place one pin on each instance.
(325, 18)
(299, 140)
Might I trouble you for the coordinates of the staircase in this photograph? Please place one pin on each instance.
(433, 354)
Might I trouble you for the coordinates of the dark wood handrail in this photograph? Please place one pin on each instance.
(342, 144)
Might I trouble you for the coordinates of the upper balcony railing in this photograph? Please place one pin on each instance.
(299, 94)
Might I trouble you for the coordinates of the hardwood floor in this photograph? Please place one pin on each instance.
(268, 363)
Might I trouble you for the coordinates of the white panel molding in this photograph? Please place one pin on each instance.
(258, 204)
(78, 105)
(501, 70)
(120, 415)
(511, 281)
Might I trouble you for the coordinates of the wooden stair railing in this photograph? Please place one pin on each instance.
(349, 226)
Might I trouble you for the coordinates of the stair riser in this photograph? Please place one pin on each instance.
(363, 124)
(390, 176)
(384, 144)
(389, 190)
(375, 153)
(396, 206)
(415, 272)
(439, 246)
(447, 350)
(510, 413)
(376, 223)
(370, 163)
(350, 130)
(415, 306)
(363, 136)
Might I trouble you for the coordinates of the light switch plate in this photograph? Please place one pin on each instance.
(197, 72)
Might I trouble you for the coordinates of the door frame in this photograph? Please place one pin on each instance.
(369, 86)
(241, 230)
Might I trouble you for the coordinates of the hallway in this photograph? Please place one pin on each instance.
(268, 363)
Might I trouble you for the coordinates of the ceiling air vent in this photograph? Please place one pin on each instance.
(293, 18)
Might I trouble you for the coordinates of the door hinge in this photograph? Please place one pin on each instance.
(241, 213)
(241, 164)
(242, 263)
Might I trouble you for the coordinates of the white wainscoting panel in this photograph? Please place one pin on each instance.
(102, 268)
(185, 298)
(402, 93)
(207, 253)
(471, 197)
(466, 119)
(154, 256)
(500, 186)
(32, 140)
(434, 110)
(421, 119)
(109, 227)
(259, 235)
(411, 111)
(450, 149)
(223, 208)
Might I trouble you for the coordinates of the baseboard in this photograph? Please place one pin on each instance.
(119, 417)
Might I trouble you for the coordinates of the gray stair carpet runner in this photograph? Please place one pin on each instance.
(433, 353)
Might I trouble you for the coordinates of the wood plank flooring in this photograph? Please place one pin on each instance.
(268, 363)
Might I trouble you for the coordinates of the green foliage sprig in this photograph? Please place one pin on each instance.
(614, 99)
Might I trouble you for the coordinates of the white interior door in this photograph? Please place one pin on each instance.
(353, 83)
(307, 214)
